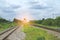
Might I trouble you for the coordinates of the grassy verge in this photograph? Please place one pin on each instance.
(4, 26)
(53, 27)
(33, 33)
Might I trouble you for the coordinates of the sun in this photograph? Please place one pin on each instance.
(25, 20)
(24, 16)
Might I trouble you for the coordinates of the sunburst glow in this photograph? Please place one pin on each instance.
(25, 17)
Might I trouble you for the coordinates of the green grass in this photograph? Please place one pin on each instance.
(53, 27)
(33, 33)
(4, 26)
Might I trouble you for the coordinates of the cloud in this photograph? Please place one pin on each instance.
(39, 7)
(7, 10)
(35, 8)
(32, 2)
(15, 6)
(10, 9)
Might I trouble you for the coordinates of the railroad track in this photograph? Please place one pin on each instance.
(46, 28)
(54, 32)
(4, 35)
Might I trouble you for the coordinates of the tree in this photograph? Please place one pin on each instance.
(57, 21)
(48, 21)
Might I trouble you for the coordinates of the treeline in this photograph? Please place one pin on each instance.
(6, 23)
(48, 21)
(2, 20)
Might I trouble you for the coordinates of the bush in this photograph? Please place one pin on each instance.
(41, 38)
(49, 21)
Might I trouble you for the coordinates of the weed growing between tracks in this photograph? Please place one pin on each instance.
(33, 33)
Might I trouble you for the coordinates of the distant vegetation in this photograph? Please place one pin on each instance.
(48, 21)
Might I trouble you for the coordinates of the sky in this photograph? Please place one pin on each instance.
(30, 9)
